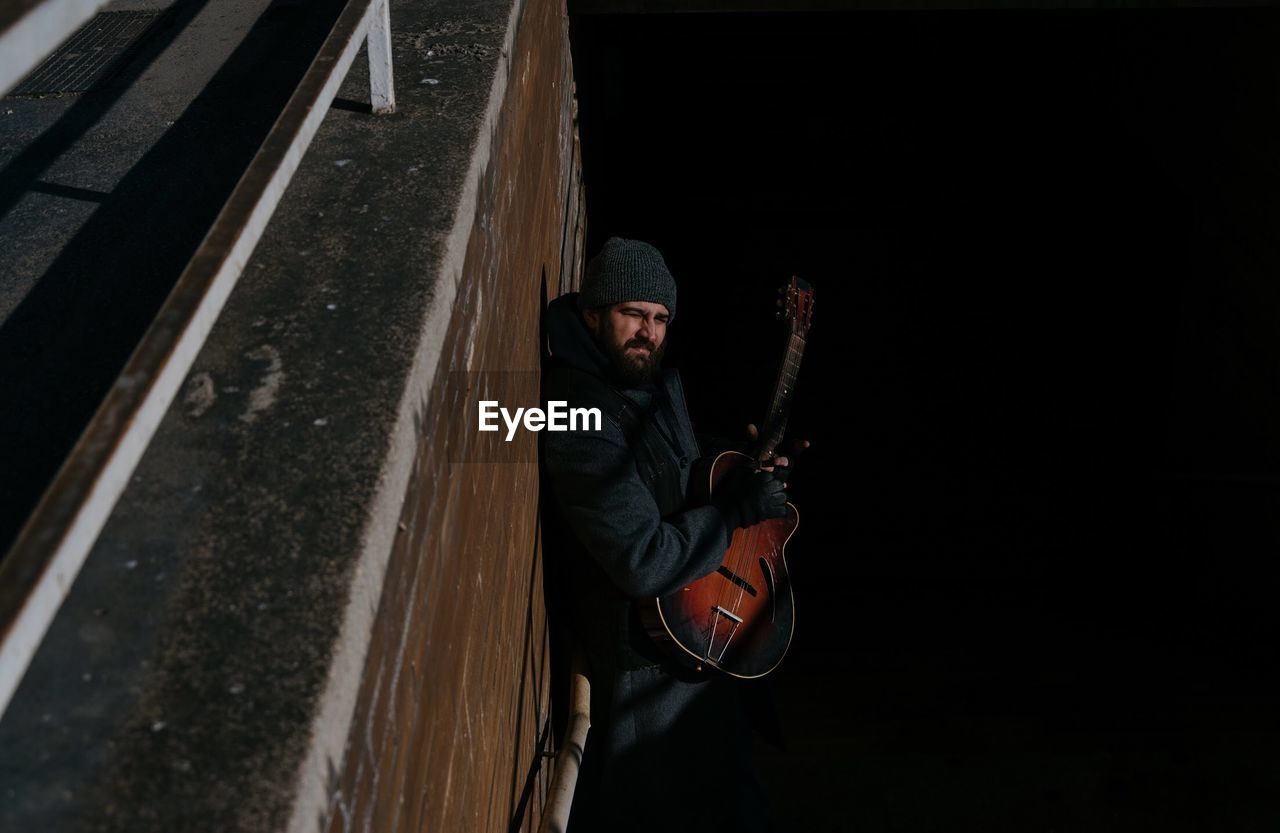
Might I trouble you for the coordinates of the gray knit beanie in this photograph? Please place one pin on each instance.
(628, 270)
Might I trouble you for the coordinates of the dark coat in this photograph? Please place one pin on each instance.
(666, 750)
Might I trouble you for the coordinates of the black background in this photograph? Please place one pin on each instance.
(1043, 387)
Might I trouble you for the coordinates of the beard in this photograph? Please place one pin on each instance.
(630, 369)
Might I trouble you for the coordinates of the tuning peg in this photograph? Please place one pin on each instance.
(778, 315)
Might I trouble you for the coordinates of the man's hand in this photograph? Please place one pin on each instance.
(746, 497)
(781, 466)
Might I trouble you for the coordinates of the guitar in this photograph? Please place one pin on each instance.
(739, 619)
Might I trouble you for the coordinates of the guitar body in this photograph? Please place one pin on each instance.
(739, 619)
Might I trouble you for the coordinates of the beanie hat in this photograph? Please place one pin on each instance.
(628, 270)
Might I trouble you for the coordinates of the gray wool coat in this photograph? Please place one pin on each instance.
(667, 750)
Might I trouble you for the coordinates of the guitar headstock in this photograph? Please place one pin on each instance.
(797, 305)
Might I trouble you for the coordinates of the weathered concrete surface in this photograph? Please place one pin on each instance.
(104, 196)
(302, 614)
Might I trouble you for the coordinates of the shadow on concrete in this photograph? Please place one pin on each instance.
(351, 106)
(64, 345)
(22, 174)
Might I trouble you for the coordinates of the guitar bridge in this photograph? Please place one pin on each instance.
(711, 641)
(727, 614)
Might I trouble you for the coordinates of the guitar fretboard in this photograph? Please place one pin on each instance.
(775, 424)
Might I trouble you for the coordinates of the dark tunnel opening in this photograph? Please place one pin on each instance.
(1037, 519)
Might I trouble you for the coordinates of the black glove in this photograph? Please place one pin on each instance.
(746, 497)
(784, 473)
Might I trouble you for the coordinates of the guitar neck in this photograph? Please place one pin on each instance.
(775, 424)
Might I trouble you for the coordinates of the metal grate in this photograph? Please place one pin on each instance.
(90, 57)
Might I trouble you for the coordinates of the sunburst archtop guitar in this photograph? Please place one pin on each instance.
(739, 620)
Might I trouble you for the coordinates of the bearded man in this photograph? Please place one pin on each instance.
(667, 750)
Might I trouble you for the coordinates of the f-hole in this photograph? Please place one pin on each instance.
(767, 569)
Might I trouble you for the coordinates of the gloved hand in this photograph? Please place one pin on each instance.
(784, 464)
(745, 497)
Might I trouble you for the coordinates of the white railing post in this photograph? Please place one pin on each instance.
(382, 91)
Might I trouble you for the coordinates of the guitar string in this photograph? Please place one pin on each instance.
(741, 561)
(715, 612)
(720, 598)
(734, 567)
(748, 541)
(791, 367)
(715, 615)
(751, 541)
(752, 535)
(749, 544)
(790, 370)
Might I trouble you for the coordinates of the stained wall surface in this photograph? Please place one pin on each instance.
(455, 702)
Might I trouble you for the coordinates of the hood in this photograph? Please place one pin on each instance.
(569, 340)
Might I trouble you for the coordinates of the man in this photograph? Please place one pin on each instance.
(667, 750)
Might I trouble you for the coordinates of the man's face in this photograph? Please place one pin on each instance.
(633, 335)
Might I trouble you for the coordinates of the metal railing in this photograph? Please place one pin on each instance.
(564, 780)
(38, 571)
